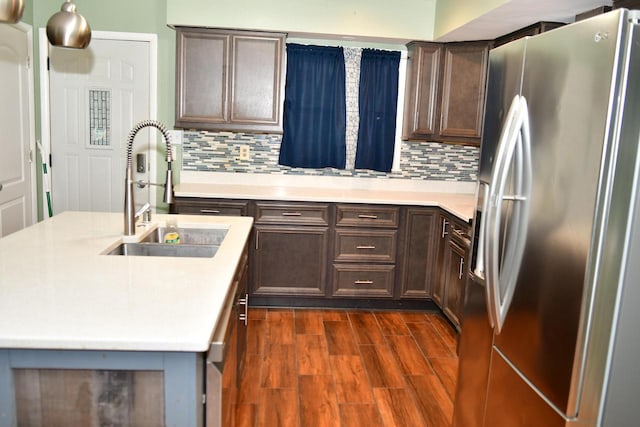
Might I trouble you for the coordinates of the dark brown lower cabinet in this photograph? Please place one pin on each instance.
(400, 256)
(441, 241)
(454, 280)
(419, 259)
(290, 260)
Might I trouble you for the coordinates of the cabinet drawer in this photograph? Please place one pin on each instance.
(292, 213)
(210, 208)
(369, 245)
(367, 216)
(355, 280)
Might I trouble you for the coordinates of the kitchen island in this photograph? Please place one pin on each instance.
(65, 304)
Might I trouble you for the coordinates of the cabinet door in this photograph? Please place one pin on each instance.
(256, 81)
(463, 91)
(289, 260)
(201, 77)
(454, 282)
(229, 80)
(421, 94)
(419, 260)
(439, 278)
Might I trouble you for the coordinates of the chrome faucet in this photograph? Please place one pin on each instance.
(129, 205)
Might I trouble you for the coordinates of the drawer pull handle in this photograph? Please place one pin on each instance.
(291, 214)
(366, 247)
(363, 216)
(363, 282)
(461, 268)
(444, 227)
(210, 211)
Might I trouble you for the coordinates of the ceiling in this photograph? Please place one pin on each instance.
(517, 14)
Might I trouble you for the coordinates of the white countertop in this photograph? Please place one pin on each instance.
(456, 198)
(57, 290)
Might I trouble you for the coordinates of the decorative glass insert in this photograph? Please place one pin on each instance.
(100, 117)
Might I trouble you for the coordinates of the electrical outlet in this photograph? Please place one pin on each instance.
(244, 152)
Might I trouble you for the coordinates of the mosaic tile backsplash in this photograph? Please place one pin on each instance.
(219, 152)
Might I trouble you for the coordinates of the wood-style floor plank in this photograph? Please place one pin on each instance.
(340, 339)
(363, 415)
(249, 393)
(397, 407)
(334, 315)
(351, 380)
(256, 336)
(432, 399)
(278, 366)
(318, 404)
(308, 322)
(312, 355)
(247, 414)
(446, 368)
(408, 354)
(278, 407)
(430, 341)
(414, 316)
(392, 323)
(381, 366)
(280, 326)
(444, 328)
(257, 314)
(365, 327)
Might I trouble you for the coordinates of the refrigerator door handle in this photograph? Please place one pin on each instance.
(502, 272)
(484, 255)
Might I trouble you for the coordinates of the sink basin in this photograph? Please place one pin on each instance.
(189, 236)
(164, 249)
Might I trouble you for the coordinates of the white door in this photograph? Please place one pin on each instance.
(96, 96)
(16, 204)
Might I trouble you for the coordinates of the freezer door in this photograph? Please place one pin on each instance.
(568, 86)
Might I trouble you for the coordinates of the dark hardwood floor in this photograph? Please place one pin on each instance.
(347, 368)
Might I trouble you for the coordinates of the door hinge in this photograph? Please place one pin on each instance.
(28, 62)
(204, 399)
(50, 161)
(48, 64)
(30, 155)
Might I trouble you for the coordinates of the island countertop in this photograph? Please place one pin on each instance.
(59, 291)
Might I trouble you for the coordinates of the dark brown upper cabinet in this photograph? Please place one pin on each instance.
(531, 30)
(229, 80)
(445, 90)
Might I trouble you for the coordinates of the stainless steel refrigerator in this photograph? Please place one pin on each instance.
(550, 334)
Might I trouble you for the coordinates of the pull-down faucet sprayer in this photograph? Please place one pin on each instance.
(129, 205)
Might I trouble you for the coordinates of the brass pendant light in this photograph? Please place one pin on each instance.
(68, 28)
(11, 10)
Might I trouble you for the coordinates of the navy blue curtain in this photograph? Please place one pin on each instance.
(314, 108)
(378, 107)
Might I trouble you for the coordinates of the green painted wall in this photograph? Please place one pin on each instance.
(399, 19)
(451, 14)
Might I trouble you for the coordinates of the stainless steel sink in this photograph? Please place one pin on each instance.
(189, 236)
(165, 249)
